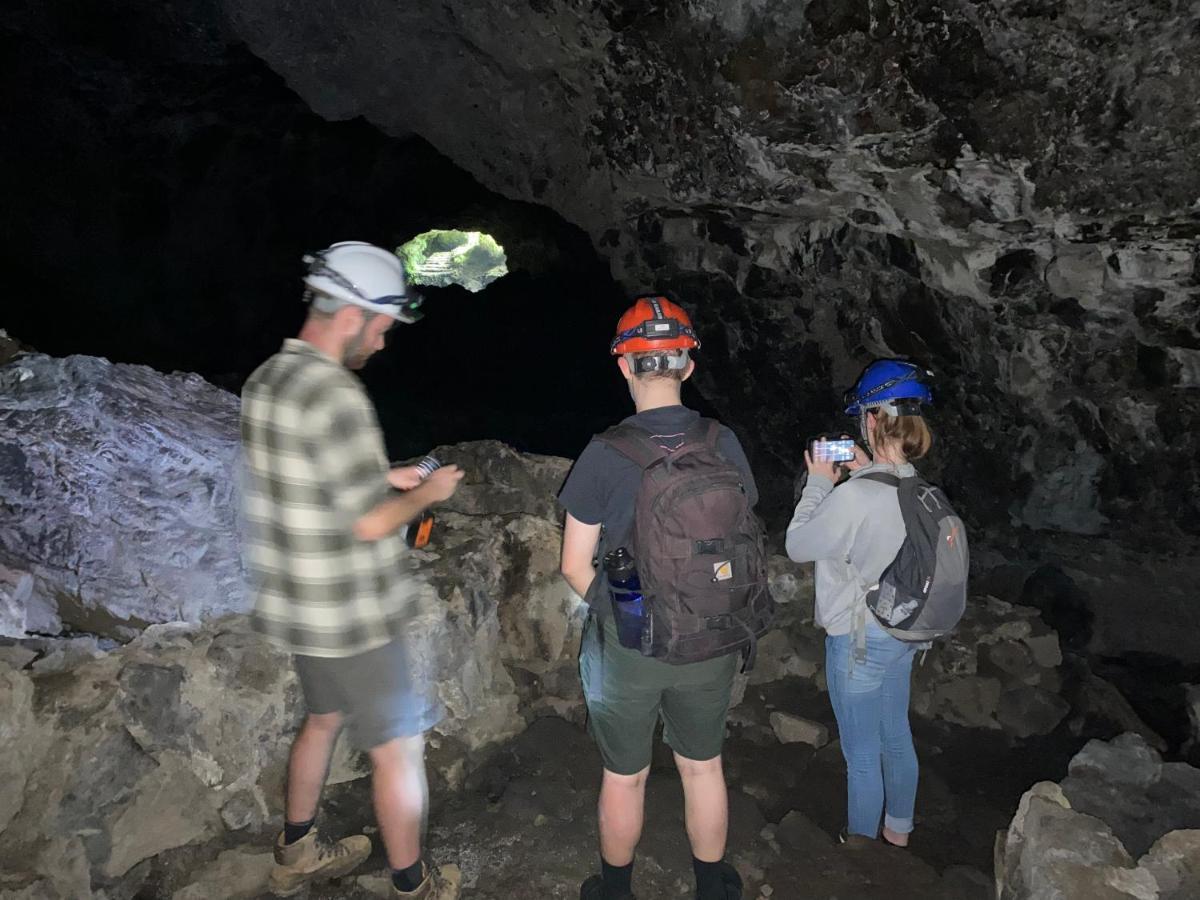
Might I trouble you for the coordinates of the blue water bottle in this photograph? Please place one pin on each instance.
(626, 592)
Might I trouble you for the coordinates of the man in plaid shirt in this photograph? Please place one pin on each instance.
(323, 548)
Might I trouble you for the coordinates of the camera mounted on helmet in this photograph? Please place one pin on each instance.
(659, 362)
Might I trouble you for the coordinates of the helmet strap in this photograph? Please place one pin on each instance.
(324, 303)
(903, 407)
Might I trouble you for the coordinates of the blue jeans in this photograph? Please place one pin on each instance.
(870, 701)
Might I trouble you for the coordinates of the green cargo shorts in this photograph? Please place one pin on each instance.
(374, 691)
(627, 692)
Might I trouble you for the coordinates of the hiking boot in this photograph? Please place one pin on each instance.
(313, 858)
(593, 889)
(731, 885)
(443, 883)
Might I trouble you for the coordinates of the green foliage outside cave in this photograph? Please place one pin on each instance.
(442, 257)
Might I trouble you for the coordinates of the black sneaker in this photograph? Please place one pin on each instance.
(593, 889)
(731, 885)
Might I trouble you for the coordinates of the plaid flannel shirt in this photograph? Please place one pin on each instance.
(314, 464)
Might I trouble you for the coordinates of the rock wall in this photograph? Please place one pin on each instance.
(1003, 190)
(118, 486)
(1123, 824)
(181, 736)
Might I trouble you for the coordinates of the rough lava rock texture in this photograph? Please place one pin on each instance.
(180, 737)
(1005, 190)
(1122, 825)
(118, 487)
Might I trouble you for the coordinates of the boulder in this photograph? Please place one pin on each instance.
(21, 741)
(1101, 709)
(234, 875)
(778, 658)
(795, 648)
(971, 700)
(795, 730)
(1026, 711)
(799, 833)
(1126, 783)
(16, 656)
(1052, 851)
(16, 592)
(120, 484)
(1193, 712)
(1174, 861)
(998, 670)
(1082, 840)
(1045, 649)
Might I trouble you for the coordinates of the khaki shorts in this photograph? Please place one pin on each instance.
(626, 693)
(373, 691)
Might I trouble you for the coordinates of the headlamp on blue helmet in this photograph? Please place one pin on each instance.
(896, 386)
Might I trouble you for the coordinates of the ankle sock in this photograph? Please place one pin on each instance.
(293, 831)
(408, 879)
(708, 877)
(618, 880)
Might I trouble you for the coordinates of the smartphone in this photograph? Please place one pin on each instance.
(824, 450)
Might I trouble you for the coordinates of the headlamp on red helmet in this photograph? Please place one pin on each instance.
(654, 323)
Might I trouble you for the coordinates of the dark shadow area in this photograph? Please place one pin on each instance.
(161, 185)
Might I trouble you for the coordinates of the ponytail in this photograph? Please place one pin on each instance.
(908, 434)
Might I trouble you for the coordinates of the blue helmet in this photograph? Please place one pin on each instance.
(890, 382)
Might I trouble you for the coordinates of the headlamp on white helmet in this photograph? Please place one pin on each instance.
(361, 274)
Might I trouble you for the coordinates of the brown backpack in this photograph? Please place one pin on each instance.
(698, 547)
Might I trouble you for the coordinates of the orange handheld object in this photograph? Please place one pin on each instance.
(419, 531)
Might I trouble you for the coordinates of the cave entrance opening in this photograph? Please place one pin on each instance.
(441, 257)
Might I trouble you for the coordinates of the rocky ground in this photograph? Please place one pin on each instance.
(524, 824)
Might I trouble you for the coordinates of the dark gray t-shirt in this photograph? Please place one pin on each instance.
(602, 486)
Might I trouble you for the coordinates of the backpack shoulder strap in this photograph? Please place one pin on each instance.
(883, 478)
(633, 443)
(712, 432)
(701, 434)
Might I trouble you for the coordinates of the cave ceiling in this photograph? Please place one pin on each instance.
(1006, 190)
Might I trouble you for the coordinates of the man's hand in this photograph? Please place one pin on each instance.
(404, 478)
(442, 483)
(399, 509)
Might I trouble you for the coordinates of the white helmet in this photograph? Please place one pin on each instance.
(365, 275)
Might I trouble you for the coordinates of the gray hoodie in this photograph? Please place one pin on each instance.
(852, 532)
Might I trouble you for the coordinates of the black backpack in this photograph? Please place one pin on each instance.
(922, 594)
(698, 547)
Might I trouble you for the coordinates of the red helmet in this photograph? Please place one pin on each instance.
(654, 323)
